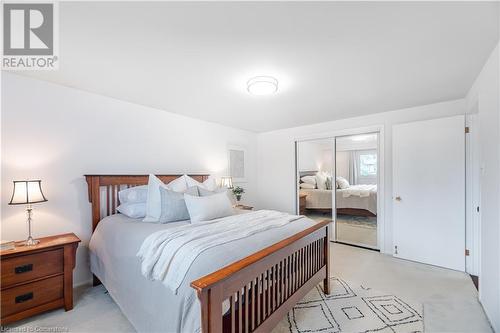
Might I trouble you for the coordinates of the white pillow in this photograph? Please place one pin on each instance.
(153, 204)
(342, 182)
(309, 180)
(178, 184)
(209, 207)
(205, 193)
(135, 210)
(307, 186)
(134, 194)
(209, 184)
(321, 181)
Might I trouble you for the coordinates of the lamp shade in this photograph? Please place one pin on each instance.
(226, 182)
(27, 192)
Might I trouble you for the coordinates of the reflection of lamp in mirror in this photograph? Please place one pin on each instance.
(226, 182)
(28, 192)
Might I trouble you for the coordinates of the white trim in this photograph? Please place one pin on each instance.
(381, 218)
(472, 193)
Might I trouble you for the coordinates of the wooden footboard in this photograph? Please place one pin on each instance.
(255, 293)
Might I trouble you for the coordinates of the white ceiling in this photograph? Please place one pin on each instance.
(332, 59)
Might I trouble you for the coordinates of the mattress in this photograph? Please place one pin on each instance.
(368, 203)
(149, 305)
(318, 199)
(322, 199)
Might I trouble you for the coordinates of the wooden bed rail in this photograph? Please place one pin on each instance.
(259, 290)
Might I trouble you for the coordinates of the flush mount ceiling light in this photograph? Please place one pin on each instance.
(262, 85)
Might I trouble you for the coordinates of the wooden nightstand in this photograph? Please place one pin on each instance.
(302, 204)
(244, 207)
(37, 278)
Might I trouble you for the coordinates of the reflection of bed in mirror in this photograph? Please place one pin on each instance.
(358, 200)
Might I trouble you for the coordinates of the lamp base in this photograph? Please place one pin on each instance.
(31, 242)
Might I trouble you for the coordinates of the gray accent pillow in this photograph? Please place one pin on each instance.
(173, 205)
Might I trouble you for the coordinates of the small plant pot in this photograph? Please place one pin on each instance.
(238, 197)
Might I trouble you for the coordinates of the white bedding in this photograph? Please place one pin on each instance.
(149, 305)
(167, 255)
(358, 197)
(361, 191)
(318, 199)
(355, 196)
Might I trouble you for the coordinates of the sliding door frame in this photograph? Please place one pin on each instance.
(384, 232)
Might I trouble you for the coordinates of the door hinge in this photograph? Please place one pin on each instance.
(467, 129)
(467, 252)
(395, 249)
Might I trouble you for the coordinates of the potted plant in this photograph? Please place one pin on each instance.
(238, 191)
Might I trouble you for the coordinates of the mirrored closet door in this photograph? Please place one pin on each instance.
(356, 169)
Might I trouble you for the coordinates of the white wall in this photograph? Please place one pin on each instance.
(58, 134)
(342, 164)
(309, 156)
(276, 154)
(315, 156)
(484, 96)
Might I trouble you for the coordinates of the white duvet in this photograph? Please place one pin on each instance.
(167, 255)
(361, 191)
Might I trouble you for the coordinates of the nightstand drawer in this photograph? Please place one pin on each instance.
(31, 266)
(30, 295)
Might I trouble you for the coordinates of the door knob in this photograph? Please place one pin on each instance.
(398, 198)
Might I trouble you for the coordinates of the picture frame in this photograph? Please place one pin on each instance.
(237, 163)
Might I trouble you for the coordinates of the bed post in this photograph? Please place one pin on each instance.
(326, 250)
(211, 311)
(94, 199)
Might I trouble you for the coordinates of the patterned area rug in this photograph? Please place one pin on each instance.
(358, 221)
(352, 309)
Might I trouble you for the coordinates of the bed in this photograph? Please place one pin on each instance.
(321, 200)
(244, 286)
(359, 200)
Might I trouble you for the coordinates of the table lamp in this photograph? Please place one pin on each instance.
(28, 192)
(226, 182)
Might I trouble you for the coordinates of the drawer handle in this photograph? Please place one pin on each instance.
(24, 298)
(23, 268)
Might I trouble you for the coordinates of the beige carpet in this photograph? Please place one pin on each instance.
(448, 297)
(349, 308)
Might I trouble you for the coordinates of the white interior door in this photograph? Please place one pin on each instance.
(429, 191)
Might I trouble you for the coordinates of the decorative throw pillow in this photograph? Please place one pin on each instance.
(178, 184)
(342, 182)
(209, 184)
(135, 210)
(309, 180)
(153, 204)
(321, 181)
(205, 193)
(209, 207)
(307, 186)
(173, 205)
(328, 182)
(134, 194)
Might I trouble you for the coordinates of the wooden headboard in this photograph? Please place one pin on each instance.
(103, 191)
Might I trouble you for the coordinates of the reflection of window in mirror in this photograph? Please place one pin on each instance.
(367, 170)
